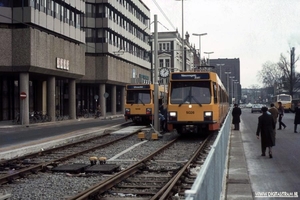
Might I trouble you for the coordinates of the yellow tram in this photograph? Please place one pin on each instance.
(197, 102)
(139, 103)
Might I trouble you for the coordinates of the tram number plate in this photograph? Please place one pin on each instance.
(138, 108)
(190, 112)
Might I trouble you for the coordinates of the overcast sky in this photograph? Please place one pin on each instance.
(255, 31)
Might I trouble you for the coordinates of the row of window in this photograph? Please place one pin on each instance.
(96, 10)
(103, 11)
(61, 11)
(164, 46)
(106, 36)
(164, 63)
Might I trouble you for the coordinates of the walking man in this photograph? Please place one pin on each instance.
(265, 128)
(280, 112)
(236, 113)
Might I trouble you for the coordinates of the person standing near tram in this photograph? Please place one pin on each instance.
(236, 113)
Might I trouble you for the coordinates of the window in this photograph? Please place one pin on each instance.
(37, 4)
(57, 10)
(6, 3)
(138, 97)
(43, 5)
(31, 3)
(190, 92)
(77, 20)
(168, 63)
(168, 47)
(161, 63)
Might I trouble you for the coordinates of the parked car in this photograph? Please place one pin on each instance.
(256, 108)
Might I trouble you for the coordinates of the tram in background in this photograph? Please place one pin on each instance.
(285, 99)
(139, 102)
(197, 102)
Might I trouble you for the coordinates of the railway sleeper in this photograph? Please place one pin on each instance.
(152, 193)
(140, 186)
(145, 181)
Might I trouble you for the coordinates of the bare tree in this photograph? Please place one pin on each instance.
(269, 74)
(279, 74)
(288, 77)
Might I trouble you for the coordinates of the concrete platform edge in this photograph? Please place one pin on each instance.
(238, 185)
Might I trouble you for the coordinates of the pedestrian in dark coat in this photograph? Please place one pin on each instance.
(236, 113)
(265, 128)
(280, 116)
(297, 117)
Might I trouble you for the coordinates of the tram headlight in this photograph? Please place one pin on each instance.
(148, 111)
(208, 116)
(127, 111)
(172, 116)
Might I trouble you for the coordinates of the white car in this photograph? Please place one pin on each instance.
(249, 105)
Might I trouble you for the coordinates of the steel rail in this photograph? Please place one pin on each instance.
(39, 167)
(165, 191)
(108, 183)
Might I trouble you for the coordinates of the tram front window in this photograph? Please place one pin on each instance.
(284, 98)
(138, 97)
(190, 93)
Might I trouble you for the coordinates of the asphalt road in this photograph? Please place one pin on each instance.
(21, 134)
(281, 173)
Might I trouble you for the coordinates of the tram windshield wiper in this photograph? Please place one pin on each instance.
(191, 97)
(141, 101)
(196, 101)
(185, 100)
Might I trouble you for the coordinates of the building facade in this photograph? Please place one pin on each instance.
(228, 69)
(42, 53)
(70, 55)
(117, 51)
(170, 54)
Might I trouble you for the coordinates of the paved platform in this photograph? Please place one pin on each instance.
(252, 176)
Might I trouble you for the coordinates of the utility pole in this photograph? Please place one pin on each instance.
(156, 121)
(292, 70)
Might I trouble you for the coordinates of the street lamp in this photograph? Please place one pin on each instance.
(231, 77)
(183, 59)
(227, 80)
(199, 34)
(208, 56)
(220, 65)
(235, 91)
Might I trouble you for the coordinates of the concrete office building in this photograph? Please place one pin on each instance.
(117, 51)
(69, 55)
(42, 53)
(228, 69)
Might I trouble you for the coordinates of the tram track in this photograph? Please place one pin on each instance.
(153, 177)
(39, 161)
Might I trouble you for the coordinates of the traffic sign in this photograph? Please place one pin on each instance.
(106, 95)
(23, 95)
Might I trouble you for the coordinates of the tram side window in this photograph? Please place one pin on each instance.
(215, 92)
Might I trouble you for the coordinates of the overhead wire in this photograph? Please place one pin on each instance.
(162, 12)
